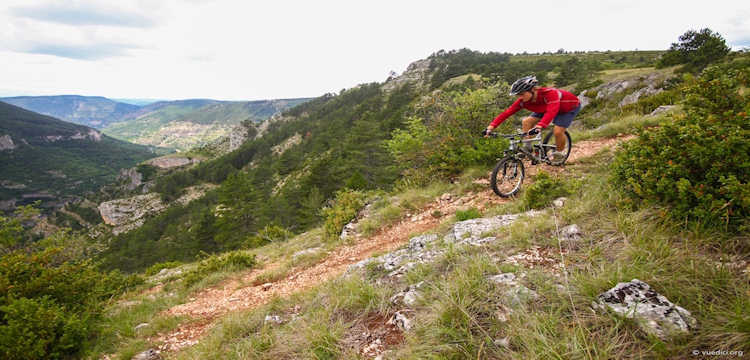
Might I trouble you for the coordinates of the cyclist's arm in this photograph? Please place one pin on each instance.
(505, 114)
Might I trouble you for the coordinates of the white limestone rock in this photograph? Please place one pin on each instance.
(654, 313)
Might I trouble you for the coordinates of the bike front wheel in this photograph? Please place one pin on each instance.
(547, 146)
(507, 177)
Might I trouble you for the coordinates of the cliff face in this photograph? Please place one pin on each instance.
(417, 73)
(129, 213)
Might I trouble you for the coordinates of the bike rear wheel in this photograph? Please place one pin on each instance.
(547, 146)
(507, 177)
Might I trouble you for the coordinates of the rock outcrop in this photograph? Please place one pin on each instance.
(287, 144)
(132, 178)
(351, 229)
(633, 97)
(420, 249)
(470, 231)
(6, 143)
(130, 213)
(91, 135)
(662, 109)
(417, 73)
(172, 161)
(654, 313)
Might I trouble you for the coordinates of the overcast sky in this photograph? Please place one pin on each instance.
(248, 50)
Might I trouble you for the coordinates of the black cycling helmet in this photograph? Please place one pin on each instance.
(525, 83)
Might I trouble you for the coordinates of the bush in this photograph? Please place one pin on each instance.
(543, 191)
(235, 260)
(39, 329)
(76, 285)
(462, 215)
(345, 208)
(444, 137)
(698, 164)
(156, 268)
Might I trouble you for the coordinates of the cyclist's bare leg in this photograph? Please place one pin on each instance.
(529, 123)
(559, 132)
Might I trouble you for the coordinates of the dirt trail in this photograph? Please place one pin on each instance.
(233, 295)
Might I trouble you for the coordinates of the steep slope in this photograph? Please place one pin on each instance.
(330, 143)
(93, 111)
(185, 124)
(48, 159)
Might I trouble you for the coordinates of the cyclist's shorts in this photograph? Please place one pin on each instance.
(562, 119)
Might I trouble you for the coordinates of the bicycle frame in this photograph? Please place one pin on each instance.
(520, 152)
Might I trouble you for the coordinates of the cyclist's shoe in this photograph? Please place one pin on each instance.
(556, 156)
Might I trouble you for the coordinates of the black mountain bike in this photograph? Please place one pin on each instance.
(508, 175)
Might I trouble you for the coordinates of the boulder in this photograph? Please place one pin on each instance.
(571, 233)
(149, 354)
(662, 109)
(400, 320)
(352, 228)
(472, 230)
(559, 202)
(654, 313)
(408, 296)
(633, 97)
(514, 292)
(273, 319)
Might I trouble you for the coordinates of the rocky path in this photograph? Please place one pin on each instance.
(233, 295)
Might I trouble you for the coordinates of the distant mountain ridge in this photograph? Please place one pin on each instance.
(177, 124)
(184, 124)
(92, 111)
(52, 160)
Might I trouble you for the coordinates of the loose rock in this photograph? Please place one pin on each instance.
(653, 312)
(571, 233)
(400, 320)
(149, 354)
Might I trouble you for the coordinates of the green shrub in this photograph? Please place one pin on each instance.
(154, 269)
(444, 137)
(543, 191)
(235, 260)
(462, 215)
(698, 164)
(76, 285)
(39, 329)
(345, 208)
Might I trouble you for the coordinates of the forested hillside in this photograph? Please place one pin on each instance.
(361, 225)
(185, 124)
(93, 111)
(338, 141)
(43, 158)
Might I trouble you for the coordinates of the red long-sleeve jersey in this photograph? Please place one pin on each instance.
(549, 101)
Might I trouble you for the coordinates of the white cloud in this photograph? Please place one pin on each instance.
(255, 50)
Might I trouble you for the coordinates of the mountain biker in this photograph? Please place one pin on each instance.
(547, 105)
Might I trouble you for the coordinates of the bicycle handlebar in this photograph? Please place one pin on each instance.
(511, 136)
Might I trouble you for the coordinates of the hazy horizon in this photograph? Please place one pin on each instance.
(172, 50)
